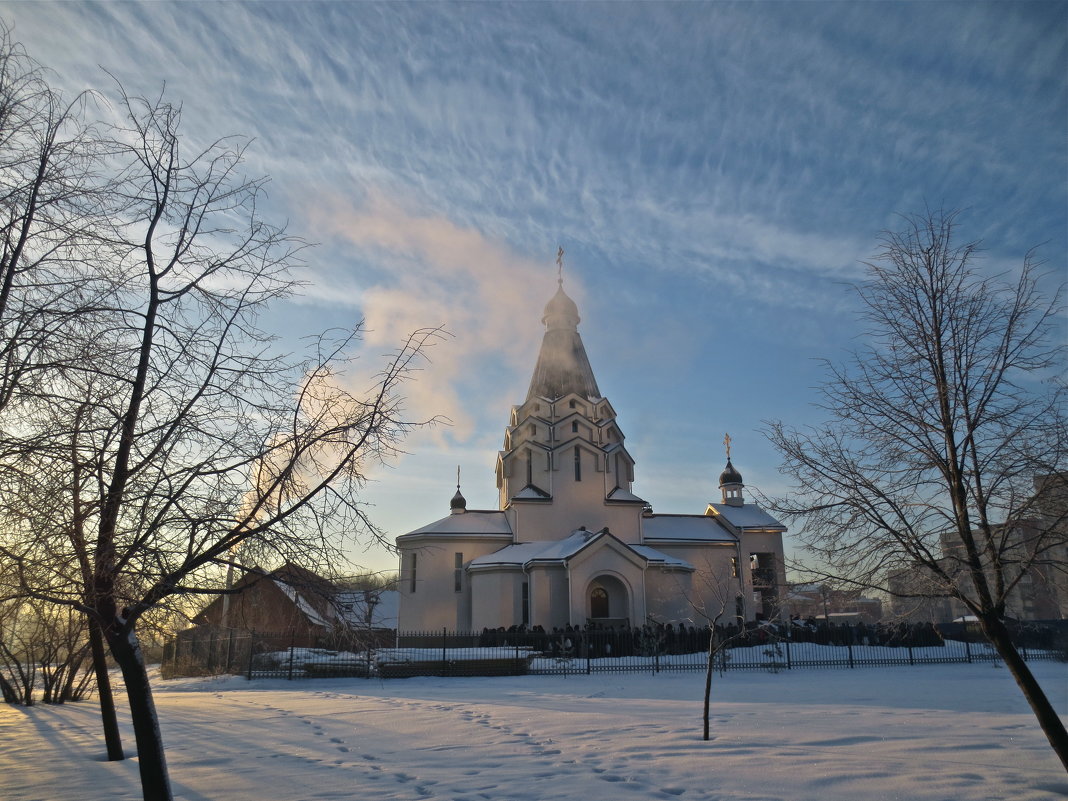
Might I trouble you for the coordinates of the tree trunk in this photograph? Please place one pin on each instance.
(155, 783)
(708, 677)
(1048, 719)
(108, 718)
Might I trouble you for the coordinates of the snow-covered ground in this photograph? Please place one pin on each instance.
(947, 732)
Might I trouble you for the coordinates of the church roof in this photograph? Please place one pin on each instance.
(620, 494)
(473, 522)
(526, 553)
(749, 516)
(684, 528)
(656, 557)
(562, 366)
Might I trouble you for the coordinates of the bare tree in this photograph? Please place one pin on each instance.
(716, 596)
(182, 436)
(52, 208)
(938, 429)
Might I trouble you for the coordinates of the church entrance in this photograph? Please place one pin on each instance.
(607, 602)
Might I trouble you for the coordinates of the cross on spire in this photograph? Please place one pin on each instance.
(560, 266)
(727, 445)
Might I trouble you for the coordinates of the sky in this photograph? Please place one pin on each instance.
(716, 173)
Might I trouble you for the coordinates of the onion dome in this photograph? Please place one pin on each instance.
(730, 475)
(561, 311)
(458, 504)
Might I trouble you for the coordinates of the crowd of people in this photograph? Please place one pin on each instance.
(595, 640)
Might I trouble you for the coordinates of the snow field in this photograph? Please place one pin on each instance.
(945, 732)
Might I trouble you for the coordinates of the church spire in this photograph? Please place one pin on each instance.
(562, 366)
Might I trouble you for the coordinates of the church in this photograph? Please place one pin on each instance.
(571, 544)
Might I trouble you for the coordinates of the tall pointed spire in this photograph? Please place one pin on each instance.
(562, 366)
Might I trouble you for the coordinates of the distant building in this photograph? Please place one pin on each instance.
(819, 601)
(1039, 541)
(570, 543)
(297, 607)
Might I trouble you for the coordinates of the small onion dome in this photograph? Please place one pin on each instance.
(729, 475)
(458, 503)
(560, 311)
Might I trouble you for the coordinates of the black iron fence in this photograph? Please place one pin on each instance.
(652, 649)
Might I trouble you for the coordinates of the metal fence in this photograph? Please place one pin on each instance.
(649, 649)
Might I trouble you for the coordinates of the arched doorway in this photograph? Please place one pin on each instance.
(608, 602)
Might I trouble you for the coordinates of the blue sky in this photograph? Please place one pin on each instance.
(715, 172)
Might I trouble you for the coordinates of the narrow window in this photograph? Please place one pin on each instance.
(458, 572)
(526, 603)
(734, 567)
(411, 578)
(578, 464)
(574, 427)
(530, 468)
(572, 404)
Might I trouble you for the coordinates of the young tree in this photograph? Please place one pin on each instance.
(182, 436)
(938, 429)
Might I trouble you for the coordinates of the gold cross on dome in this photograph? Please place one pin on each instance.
(727, 444)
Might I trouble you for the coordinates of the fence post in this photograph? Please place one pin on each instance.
(230, 652)
(911, 661)
(515, 665)
(586, 646)
(292, 641)
(850, 647)
(968, 651)
(789, 661)
(444, 642)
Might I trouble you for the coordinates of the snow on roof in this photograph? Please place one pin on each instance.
(384, 606)
(531, 492)
(525, 553)
(301, 603)
(688, 528)
(658, 558)
(541, 550)
(620, 494)
(473, 522)
(749, 516)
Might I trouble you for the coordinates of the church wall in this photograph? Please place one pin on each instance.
(713, 586)
(668, 594)
(499, 594)
(435, 602)
(549, 597)
(567, 513)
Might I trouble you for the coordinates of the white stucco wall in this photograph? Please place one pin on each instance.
(435, 603)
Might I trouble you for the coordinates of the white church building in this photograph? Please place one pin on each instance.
(571, 544)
